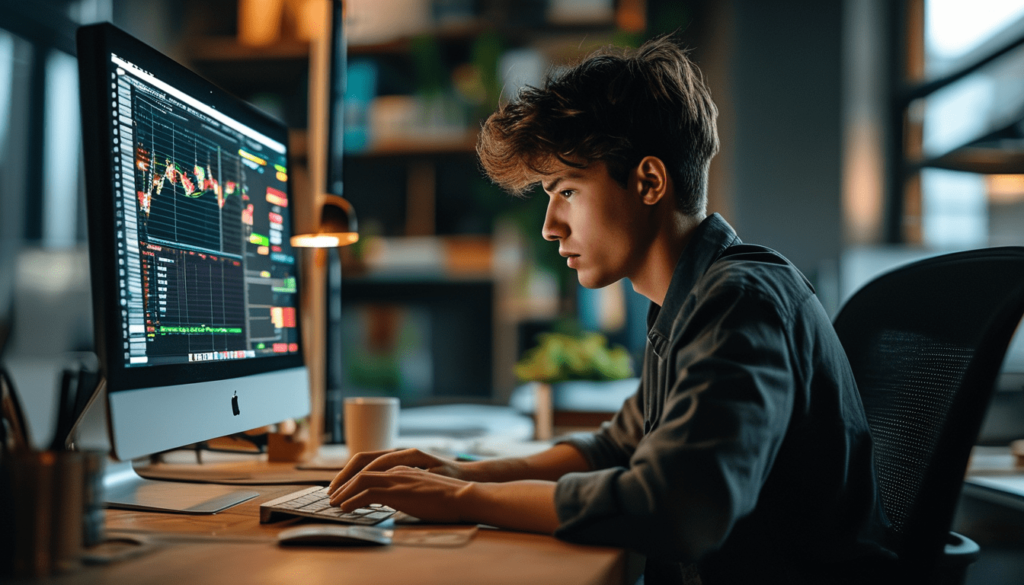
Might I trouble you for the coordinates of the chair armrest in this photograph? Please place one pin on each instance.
(960, 550)
(960, 553)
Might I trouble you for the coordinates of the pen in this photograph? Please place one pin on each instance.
(16, 439)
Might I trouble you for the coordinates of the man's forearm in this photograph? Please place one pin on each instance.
(548, 465)
(518, 505)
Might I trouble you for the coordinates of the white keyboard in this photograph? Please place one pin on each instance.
(315, 503)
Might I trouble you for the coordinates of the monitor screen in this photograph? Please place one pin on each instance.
(195, 284)
(205, 268)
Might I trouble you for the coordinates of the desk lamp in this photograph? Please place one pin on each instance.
(338, 227)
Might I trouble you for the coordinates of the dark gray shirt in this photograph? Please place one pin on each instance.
(745, 450)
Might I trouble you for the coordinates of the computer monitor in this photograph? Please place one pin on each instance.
(195, 284)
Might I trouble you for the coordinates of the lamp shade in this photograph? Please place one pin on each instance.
(338, 226)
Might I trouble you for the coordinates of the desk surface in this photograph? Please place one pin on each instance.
(996, 476)
(232, 547)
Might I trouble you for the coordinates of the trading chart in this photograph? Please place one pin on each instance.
(185, 178)
(207, 272)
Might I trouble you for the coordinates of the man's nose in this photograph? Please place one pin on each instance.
(554, 227)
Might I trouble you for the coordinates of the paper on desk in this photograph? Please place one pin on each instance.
(433, 536)
(993, 461)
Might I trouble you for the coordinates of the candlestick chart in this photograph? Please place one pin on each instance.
(188, 180)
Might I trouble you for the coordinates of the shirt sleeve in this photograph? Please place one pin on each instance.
(616, 440)
(702, 465)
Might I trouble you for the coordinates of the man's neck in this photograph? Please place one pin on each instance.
(655, 275)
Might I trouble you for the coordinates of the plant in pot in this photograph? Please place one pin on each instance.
(560, 360)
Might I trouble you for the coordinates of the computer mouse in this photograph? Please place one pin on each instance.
(335, 535)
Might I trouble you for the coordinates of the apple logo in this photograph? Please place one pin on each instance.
(234, 404)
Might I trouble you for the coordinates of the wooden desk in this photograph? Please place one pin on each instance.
(232, 547)
(994, 475)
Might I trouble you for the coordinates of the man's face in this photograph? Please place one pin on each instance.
(598, 224)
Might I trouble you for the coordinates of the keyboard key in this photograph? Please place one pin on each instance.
(377, 515)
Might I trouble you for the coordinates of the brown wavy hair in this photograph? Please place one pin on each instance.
(616, 106)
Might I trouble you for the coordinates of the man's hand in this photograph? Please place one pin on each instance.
(385, 460)
(518, 505)
(425, 495)
(516, 493)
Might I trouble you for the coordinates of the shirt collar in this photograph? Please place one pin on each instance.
(707, 243)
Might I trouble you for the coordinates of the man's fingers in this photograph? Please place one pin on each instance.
(355, 464)
(413, 491)
(362, 482)
(406, 458)
(381, 461)
(362, 500)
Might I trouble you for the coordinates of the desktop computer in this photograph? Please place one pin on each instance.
(195, 283)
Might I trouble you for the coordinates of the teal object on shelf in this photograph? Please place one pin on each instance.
(360, 90)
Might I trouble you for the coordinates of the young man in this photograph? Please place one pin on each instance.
(744, 456)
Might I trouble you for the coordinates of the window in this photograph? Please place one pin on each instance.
(968, 209)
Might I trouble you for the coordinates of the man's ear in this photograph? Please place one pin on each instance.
(652, 180)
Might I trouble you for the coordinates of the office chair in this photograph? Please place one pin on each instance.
(926, 342)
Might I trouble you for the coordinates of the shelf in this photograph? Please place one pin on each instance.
(228, 49)
(470, 30)
(425, 146)
(419, 146)
(278, 68)
(987, 160)
(998, 152)
(461, 32)
(425, 258)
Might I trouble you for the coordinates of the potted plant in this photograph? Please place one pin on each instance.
(559, 358)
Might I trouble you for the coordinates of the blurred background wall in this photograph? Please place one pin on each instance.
(828, 155)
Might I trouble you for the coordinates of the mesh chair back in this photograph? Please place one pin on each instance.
(926, 343)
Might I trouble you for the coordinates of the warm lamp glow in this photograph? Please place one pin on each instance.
(1005, 188)
(324, 240)
(338, 226)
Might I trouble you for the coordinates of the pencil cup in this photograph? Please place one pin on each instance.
(371, 424)
(58, 496)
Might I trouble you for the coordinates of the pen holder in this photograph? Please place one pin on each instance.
(55, 503)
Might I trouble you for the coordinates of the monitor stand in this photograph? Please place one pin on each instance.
(124, 488)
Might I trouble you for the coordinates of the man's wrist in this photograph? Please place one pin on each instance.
(491, 470)
(520, 505)
(469, 500)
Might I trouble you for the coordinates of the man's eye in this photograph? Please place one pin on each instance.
(567, 193)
